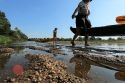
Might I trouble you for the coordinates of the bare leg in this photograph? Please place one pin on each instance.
(85, 30)
(86, 39)
(76, 35)
(54, 42)
(87, 25)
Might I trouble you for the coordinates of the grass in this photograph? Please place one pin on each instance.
(5, 39)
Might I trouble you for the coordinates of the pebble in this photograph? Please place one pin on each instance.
(45, 69)
(6, 50)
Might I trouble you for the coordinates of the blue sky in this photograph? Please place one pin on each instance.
(38, 18)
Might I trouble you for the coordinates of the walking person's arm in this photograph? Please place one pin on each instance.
(73, 15)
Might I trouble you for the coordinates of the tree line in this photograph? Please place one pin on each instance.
(92, 38)
(5, 28)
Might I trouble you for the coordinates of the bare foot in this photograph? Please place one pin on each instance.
(73, 44)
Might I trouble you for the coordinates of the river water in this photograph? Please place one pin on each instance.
(81, 67)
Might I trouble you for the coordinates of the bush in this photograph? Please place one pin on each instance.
(5, 39)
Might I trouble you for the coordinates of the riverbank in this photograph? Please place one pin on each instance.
(5, 39)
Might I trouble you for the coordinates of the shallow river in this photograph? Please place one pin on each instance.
(81, 67)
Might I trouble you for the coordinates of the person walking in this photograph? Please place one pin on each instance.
(54, 37)
(82, 21)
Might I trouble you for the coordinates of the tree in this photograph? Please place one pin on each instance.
(111, 39)
(80, 38)
(120, 38)
(92, 38)
(18, 34)
(4, 23)
(98, 38)
(6, 30)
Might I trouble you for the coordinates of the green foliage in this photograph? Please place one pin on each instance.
(92, 38)
(111, 39)
(5, 39)
(9, 35)
(98, 38)
(80, 38)
(64, 39)
(16, 33)
(120, 38)
(4, 24)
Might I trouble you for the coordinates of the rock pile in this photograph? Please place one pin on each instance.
(45, 69)
(6, 50)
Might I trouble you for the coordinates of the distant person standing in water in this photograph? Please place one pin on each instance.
(54, 37)
(82, 21)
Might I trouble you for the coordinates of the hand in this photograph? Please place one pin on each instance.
(73, 16)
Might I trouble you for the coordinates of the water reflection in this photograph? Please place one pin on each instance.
(120, 76)
(18, 49)
(4, 57)
(82, 66)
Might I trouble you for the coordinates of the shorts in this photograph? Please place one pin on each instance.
(80, 22)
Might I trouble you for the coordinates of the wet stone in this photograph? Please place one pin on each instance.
(45, 69)
(6, 50)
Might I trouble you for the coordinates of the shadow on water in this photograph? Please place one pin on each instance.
(120, 76)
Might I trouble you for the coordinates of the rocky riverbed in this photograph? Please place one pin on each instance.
(45, 69)
(6, 50)
(41, 63)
